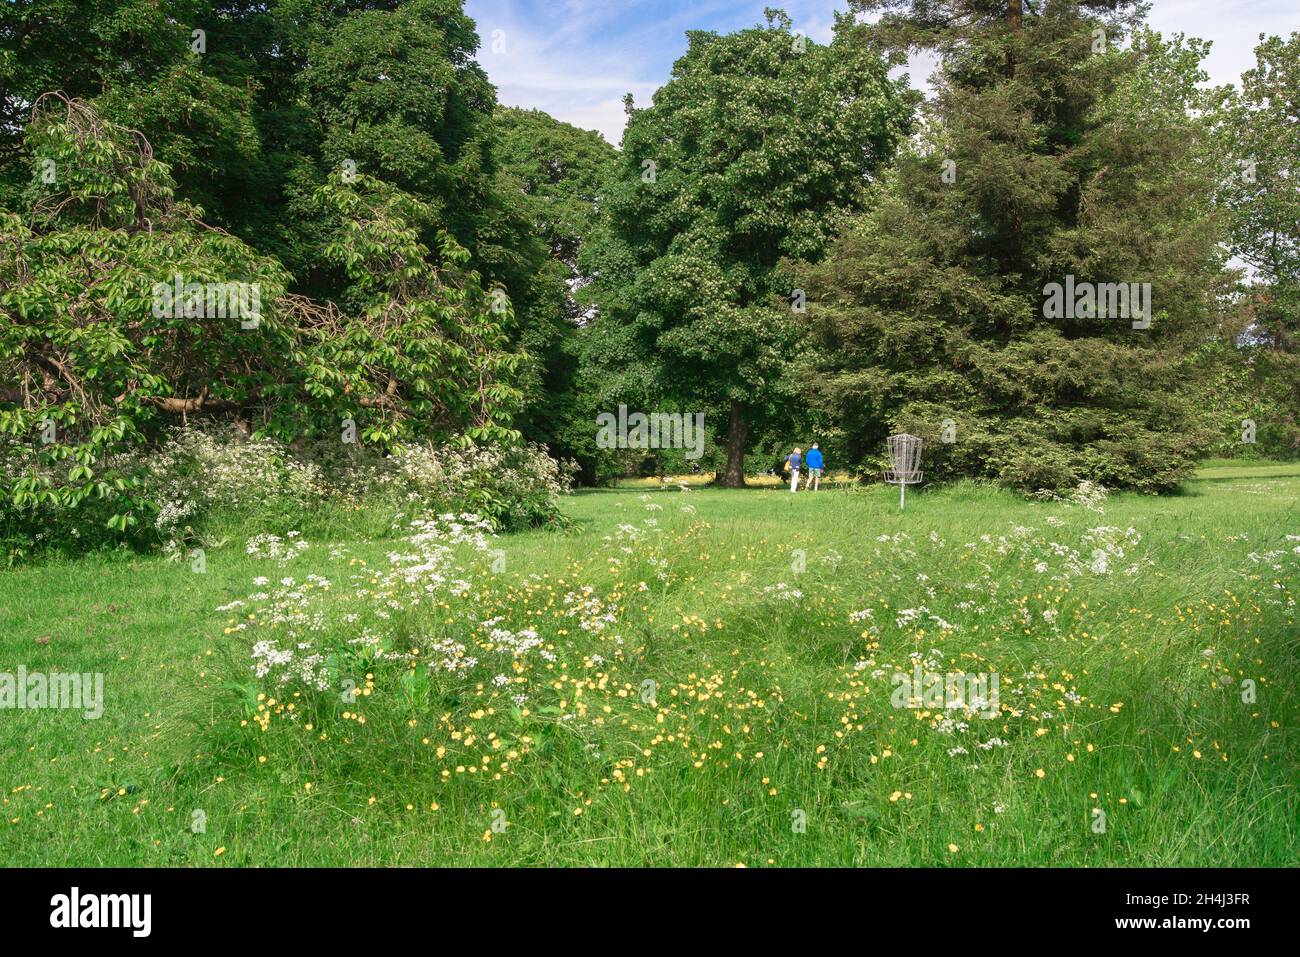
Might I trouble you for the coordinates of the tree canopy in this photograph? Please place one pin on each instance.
(750, 156)
(1053, 155)
(124, 310)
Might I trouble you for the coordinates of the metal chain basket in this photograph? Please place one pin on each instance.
(904, 464)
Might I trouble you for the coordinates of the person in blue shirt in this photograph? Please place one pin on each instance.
(814, 467)
(793, 461)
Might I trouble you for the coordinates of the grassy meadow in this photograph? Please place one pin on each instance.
(685, 676)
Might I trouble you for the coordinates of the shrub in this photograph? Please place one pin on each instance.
(511, 486)
(195, 481)
(197, 474)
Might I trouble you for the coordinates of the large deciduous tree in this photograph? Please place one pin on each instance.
(750, 155)
(145, 64)
(254, 106)
(558, 172)
(122, 312)
(1260, 357)
(1261, 137)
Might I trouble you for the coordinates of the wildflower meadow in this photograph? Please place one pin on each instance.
(684, 676)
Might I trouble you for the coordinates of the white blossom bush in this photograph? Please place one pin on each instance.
(199, 483)
(198, 473)
(513, 487)
(1087, 494)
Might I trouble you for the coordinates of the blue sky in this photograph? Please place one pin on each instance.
(576, 58)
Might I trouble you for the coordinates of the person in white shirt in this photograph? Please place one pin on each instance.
(794, 460)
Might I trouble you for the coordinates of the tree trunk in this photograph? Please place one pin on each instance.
(1015, 11)
(734, 476)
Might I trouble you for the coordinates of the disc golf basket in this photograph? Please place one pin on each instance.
(904, 464)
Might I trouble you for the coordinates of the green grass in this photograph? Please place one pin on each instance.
(1227, 468)
(765, 742)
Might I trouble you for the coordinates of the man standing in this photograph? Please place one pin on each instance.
(793, 461)
(814, 467)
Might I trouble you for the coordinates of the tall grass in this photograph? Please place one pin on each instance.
(728, 702)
